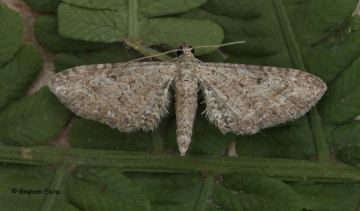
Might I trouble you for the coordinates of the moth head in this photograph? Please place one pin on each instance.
(184, 49)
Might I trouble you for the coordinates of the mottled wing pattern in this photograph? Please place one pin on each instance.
(127, 96)
(246, 98)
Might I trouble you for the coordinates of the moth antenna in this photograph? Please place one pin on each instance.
(147, 57)
(201, 46)
(217, 46)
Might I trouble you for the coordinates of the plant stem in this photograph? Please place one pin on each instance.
(58, 179)
(285, 169)
(133, 36)
(295, 55)
(133, 20)
(147, 51)
(323, 153)
(205, 192)
(289, 36)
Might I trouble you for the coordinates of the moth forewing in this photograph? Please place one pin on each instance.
(246, 98)
(129, 96)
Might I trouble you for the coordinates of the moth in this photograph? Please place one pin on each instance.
(239, 98)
